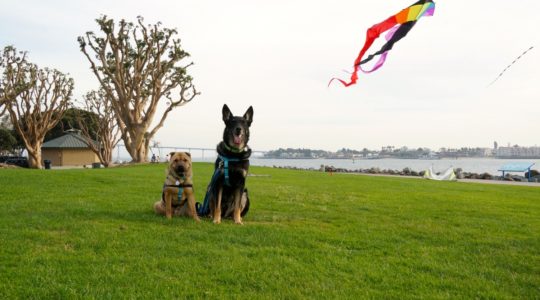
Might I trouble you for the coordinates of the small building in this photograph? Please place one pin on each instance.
(68, 150)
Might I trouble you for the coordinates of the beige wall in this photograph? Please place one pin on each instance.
(54, 155)
(69, 157)
(77, 157)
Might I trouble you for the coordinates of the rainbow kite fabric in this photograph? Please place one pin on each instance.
(397, 26)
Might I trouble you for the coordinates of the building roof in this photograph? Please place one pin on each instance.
(69, 140)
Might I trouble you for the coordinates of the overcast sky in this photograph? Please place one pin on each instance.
(278, 56)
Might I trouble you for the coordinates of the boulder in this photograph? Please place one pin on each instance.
(507, 177)
(534, 173)
(518, 178)
(374, 171)
(486, 176)
(406, 171)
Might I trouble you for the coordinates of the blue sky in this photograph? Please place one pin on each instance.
(279, 55)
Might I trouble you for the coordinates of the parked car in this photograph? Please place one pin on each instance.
(17, 161)
(4, 158)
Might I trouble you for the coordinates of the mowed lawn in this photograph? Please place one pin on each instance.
(91, 233)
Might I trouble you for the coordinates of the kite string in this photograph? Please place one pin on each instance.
(510, 65)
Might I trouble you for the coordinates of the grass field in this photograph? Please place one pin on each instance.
(92, 234)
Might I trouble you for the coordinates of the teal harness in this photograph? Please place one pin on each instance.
(204, 209)
(225, 164)
(180, 187)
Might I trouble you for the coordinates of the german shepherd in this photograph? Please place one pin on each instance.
(230, 197)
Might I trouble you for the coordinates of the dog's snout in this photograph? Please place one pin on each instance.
(238, 131)
(180, 169)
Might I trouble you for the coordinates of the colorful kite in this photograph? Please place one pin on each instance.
(397, 26)
(510, 65)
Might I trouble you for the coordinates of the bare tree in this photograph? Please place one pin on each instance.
(34, 98)
(104, 123)
(12, 77)
(139, 66)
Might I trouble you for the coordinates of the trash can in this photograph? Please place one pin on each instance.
(47, 164)
(96, 165)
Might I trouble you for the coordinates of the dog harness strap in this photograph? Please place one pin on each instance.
(180, 192)
(226, 170)
(180, 187)
(226, 161)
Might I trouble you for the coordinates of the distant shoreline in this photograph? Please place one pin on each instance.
(467, 164)
(407, 158)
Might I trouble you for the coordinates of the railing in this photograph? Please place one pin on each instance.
(167, 149)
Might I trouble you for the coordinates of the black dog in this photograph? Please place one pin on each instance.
(226, 195)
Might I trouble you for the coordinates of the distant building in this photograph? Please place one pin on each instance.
(485, 152)
(518, 152)
(68, 150)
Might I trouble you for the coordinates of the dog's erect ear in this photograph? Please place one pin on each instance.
(171, 155)
(226, 112)
(188, 154)
(249, 115)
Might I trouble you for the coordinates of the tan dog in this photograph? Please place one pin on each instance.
(178, 197)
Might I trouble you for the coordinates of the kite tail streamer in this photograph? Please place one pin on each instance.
(399, 25)
(510, 65)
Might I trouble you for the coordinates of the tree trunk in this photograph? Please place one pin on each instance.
(140, 154)
(34, 158)
(105, 156)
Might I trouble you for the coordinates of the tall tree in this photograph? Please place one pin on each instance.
(106, 129)
(139, 66)
(34, 98)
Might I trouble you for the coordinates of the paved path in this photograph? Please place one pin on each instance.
(535, 184)
(484, 181)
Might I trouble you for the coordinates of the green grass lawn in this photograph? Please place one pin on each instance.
(91, 233)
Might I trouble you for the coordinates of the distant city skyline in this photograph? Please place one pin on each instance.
(279, 56)
(382, 148)
(408, 153)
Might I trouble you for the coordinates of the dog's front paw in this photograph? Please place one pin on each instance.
(239, 222)
(217, 221)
